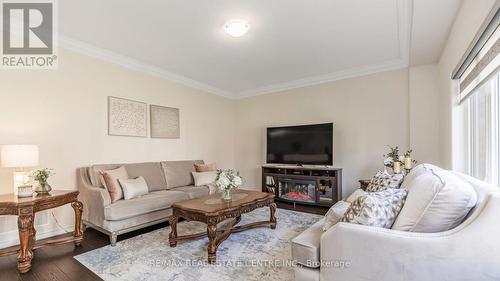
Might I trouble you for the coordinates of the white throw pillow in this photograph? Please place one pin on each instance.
(204, 178)
(437, 201)
(133, 188)
(336, 212)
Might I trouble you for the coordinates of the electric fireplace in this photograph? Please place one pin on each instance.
(313, 185)
(297, 190)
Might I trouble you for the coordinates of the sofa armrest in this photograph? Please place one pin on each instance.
(469, 252)
(94, 199)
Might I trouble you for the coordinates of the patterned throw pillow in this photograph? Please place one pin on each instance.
(378, 209)
(383, 180)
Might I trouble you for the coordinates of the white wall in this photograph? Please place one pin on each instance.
(424, 113)
(467, 23)
(64, 111)
(369, 113)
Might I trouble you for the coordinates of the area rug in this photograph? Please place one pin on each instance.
(256, 254)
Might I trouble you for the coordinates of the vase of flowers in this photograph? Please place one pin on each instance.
(41, 176)
(226, 181)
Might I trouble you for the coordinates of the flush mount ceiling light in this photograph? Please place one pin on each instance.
(236, 27)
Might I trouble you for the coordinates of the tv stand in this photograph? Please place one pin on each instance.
(309, 185)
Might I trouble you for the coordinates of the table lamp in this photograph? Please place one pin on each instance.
(19, 157)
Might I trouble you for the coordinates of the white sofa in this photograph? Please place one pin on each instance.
(351, 252)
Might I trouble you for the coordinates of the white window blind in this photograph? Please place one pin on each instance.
(482, 59)
(484, 65)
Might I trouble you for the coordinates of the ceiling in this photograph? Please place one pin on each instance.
(291, 43)
(432, 21)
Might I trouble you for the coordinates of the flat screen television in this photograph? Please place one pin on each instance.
(297, 145)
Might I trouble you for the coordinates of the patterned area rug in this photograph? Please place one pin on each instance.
(256, 254)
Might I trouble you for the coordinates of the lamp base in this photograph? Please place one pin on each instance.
(19, 180)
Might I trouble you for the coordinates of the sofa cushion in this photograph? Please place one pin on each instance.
(358, 192)
(95, 175)
(335, 213)
(152, 172)
(153, 201)
(378, 209)
(383, 180)
(200, 168)
(306, 246)
(204, 178)
(417, 171)
(110, 180)
(133, 188)
(437, 201)
(193, 191)
(178, 173)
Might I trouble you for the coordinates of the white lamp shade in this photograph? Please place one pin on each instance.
(19, 156)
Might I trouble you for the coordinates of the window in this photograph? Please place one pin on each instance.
(478, 76)
(484, 131)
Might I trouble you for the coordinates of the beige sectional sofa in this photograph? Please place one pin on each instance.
(168, 182)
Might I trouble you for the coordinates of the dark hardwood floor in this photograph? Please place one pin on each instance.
(56, 263)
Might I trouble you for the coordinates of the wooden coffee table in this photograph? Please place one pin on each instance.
(221, 216)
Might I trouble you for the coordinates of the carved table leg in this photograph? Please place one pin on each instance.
(212, 242)
(172, 238)
(78, 234)
(272, 208)
(26, 230)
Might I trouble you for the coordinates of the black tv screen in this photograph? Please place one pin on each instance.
(308, 144)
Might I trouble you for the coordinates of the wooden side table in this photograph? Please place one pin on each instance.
(25, 209)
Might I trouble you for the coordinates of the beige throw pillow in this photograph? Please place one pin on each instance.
(204, 178)
(110, 181)
(205, 167)
(133, 188)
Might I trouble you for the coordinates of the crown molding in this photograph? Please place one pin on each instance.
(405, 15)
(331, 77)
(133, 64)
(405, 19)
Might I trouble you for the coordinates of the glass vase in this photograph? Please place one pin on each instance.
(226, 194)
(42, 188)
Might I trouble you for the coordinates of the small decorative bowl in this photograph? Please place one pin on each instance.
(25, 191)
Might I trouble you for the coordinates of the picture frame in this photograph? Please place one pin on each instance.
(127, 117)
(164, 122)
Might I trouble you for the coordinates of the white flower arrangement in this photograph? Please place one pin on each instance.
(228, 179)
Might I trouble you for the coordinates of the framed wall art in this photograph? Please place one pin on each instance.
(127, 117)
(165, 122)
